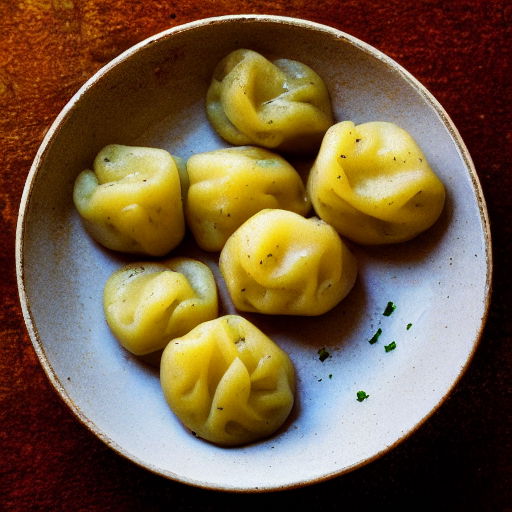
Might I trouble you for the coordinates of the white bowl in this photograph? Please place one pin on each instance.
(153, 94)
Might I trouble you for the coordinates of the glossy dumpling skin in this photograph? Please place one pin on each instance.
(373, 183)
(228, 382)
(280, 263)
(147, 304)
(282, 104)
(227, 186)
(131, 200)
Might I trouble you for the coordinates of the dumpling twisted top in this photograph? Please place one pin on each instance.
(281, 104)
(227, 381)
(281, 263)
(131, 200)
(373, 184)
(227, 186)
(147, 304)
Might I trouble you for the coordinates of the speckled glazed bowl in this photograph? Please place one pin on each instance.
(154, 94)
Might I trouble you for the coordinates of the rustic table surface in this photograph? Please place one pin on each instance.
(460, 459)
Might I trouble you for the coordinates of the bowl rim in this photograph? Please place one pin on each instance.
(67, 110)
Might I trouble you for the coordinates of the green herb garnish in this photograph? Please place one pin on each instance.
(361, 395)
(408, 326)
(323, 354)
(390, 347)
(375, 337)
(389, 309)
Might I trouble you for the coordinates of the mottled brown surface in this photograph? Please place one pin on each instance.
(460, 459)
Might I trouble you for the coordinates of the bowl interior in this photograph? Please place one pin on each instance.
(154, 95)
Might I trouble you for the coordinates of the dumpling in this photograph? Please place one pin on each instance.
(228, 382)
(131, 200)
(281, 104)
(373, 184)
(227, 186)
(280, 263)
(147, 304)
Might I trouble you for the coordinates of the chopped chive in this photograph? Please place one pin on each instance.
(375, 337)
(408, 326)
(361, 395)
(323, 354)
(390, 347)
(389, 309)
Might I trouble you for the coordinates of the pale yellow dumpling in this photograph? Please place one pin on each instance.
(131, 200)
(228, 382)
(373, 183)
(148, 304)
(281, 104)
(227, 186)
(280, 263)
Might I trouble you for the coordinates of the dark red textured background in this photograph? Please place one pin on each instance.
(461, 458)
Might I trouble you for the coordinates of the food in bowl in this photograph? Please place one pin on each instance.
(282, 104)
(147, 304)
(373, 183)
(227, 186)
(281, 263)
(228, 382)
(131, 200)
(370, 183)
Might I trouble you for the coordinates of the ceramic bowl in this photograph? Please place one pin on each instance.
(154, 94)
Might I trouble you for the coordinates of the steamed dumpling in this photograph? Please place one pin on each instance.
(147, 304)
(280, 263)
(131, 200)
(281, 104)
(228, 382)
(373, 183)
(227, 186)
